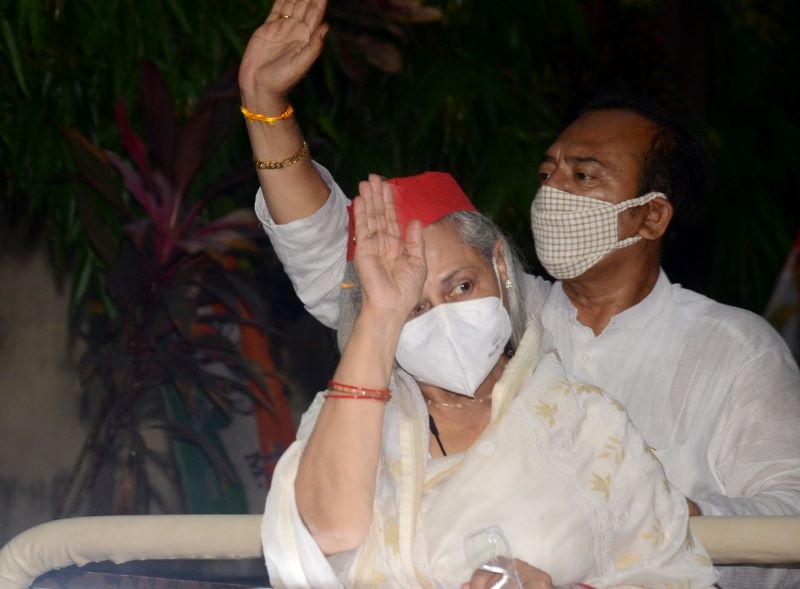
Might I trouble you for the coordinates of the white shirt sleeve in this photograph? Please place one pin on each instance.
(755, 446)
(313, 250)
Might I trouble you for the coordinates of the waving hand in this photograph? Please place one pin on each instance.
(392, 270)
(281, 51)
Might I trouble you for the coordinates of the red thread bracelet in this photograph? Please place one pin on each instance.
(346, 388)
(337, 390)
(332, 396)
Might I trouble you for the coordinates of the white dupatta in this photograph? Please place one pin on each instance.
(559, 468)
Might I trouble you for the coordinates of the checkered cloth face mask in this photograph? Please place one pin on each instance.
(572, 233)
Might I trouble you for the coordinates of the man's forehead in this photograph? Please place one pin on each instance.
(575, 158)
(599, 131)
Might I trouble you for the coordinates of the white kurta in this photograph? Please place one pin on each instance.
(559, 469)
(711, 387)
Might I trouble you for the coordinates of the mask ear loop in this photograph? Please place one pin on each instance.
(509, 350)
(632, 203)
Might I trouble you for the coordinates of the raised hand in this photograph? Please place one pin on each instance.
(280, 52)
(391, 270)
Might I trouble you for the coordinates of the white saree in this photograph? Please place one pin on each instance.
(559, 469)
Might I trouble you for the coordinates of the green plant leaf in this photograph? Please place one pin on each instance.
(31, 15)
(96, 169)
(80, 281)
(99, 234)
(217, 460)
(177, 10)
(13, 55)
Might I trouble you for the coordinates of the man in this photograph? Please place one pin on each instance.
(713, 389)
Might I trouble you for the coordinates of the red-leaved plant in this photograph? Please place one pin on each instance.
(176, 288)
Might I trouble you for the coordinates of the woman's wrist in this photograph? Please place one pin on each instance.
(373, 343)
(387, 320)
(263, 103)
(275, 140)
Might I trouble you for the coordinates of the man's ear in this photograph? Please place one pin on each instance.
(499, 252)
(657, 219)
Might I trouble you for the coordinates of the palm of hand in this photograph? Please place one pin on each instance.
(391, 278)
(281, 51)
(273, 50)
(391, 271)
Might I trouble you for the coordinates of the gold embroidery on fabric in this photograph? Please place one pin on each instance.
(366, 575)
(613, 450)
(685, 584)
(431, 480)
(547, 411)
(702, 560)
(590, 389)
(562, 386)
(395, 469)
(391, 535)
(377, 580)
(652, 453)
(627, 559)
(601, 484)
(619, 406)
(656, 534)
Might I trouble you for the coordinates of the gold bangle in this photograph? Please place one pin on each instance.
(254, 116)
(278, 164)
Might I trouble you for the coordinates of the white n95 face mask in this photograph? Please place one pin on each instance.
(455, 345)
(572, 233)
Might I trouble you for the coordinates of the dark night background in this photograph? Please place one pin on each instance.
(480, 91)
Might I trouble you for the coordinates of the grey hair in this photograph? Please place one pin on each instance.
(478, 232)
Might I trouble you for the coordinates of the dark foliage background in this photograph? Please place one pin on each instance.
(479, 92)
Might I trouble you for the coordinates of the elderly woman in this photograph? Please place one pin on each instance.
(446, 415)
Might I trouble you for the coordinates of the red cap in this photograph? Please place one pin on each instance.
(426, 197)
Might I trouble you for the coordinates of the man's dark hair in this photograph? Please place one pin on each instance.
(676, 163)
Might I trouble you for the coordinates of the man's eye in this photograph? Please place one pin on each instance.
(544, 176)
(582, 176)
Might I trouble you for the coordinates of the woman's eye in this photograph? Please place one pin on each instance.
(463, 287)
